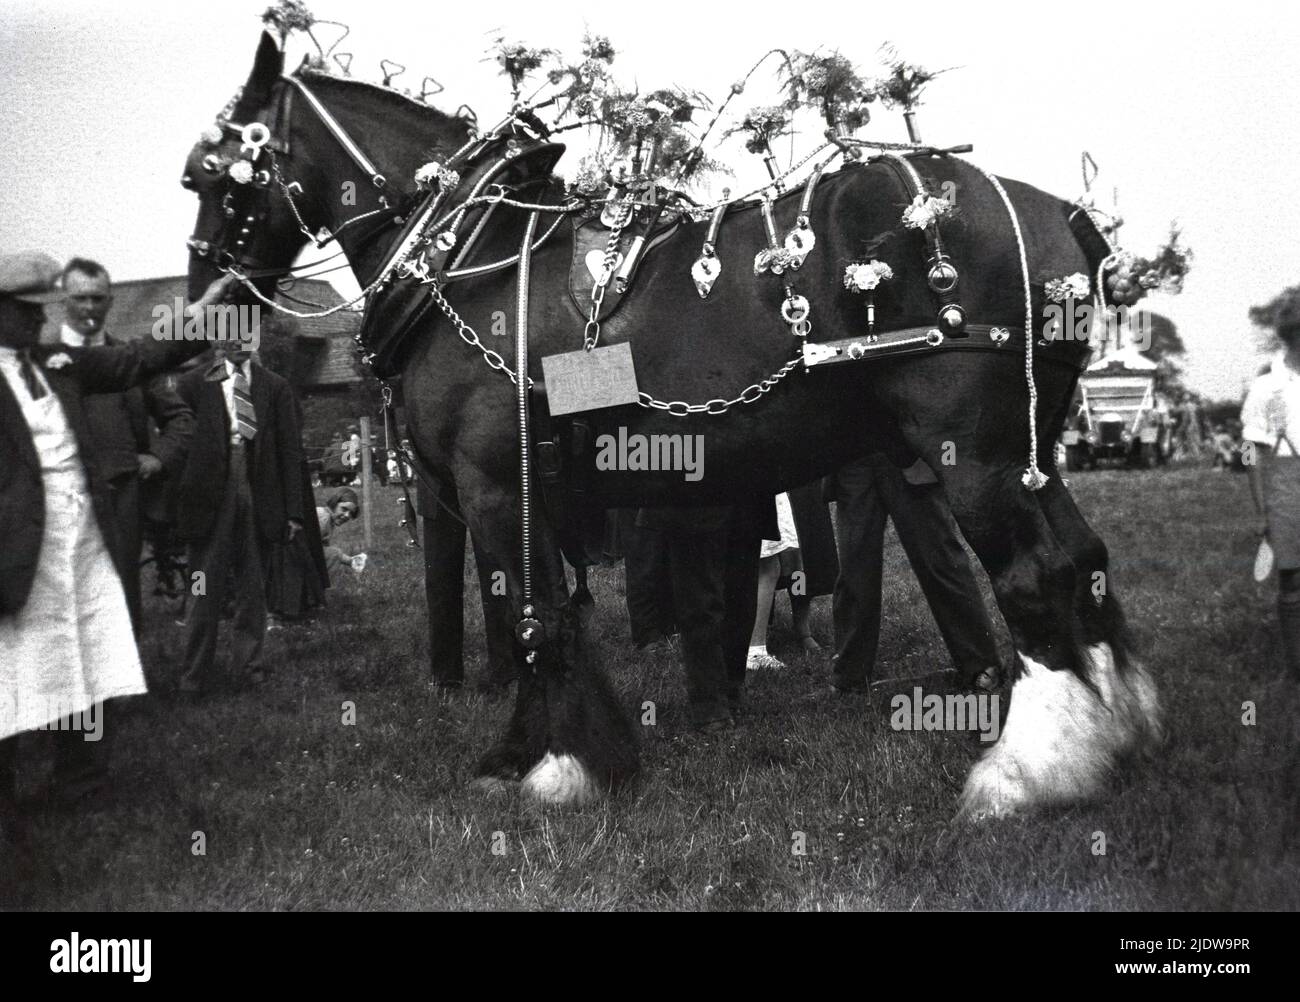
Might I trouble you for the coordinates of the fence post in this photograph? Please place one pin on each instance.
(366, 477)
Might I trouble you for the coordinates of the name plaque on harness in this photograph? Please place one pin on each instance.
(589, 380)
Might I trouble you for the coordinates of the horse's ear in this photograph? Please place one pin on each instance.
(268, 65)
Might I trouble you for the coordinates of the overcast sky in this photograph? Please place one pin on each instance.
(1191, 111)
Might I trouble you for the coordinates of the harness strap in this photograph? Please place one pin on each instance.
(340, 134)
(529, 632)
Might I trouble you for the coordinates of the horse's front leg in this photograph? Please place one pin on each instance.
(568, 740)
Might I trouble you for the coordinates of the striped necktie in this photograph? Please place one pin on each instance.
(28, 373)
(245, 415)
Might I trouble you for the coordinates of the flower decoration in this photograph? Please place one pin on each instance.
(288, 15)
(762, 125)
(865, 277)
(1130, 277)
(832, 85)
(773, 259)
(925, 211)
(435, 173)
(1076, 286)
(517, 61)
(901, 87)
(241, 172)
(212, 135)
(58, 361)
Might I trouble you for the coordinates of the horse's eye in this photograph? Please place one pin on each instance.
(212, 164)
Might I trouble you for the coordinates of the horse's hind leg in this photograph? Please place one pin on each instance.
(568, 740)
(1099, 624)
(1059, 740)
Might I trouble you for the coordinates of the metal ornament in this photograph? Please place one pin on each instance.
(799, 242)
(705, 271)
(254, 136)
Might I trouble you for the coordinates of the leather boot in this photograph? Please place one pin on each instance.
(1288, 615)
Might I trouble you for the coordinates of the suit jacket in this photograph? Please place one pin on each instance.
(152, 399)
(275, 459)
(102, 369)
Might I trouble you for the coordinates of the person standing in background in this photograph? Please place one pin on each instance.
(867, 492)
(1271, 419)
(119, 422)
(241, 492)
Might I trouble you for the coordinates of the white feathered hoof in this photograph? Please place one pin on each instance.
(1060, 743)
(561, 781)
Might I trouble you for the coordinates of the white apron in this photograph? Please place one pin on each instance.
(71, 645)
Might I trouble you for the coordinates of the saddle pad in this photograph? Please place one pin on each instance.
(590, 240)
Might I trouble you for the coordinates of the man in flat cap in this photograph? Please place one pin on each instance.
(66, 643)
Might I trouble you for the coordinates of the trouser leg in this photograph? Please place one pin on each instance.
(210, 558)
(696, 565)
(646, 577)
(740, 596)
(444, 593)
(855, 605)
(249, 628)
(930, 538)
(1288, 614)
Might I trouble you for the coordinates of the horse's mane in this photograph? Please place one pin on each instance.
(320, 79)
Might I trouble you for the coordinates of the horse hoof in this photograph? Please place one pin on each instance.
(561, 781)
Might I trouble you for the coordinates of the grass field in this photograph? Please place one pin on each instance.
(299, 811)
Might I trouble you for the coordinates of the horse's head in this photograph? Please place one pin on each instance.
(306, 156)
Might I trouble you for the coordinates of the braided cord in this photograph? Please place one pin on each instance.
(1033, 479)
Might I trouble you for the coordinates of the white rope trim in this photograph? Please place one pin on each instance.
(1034, 479)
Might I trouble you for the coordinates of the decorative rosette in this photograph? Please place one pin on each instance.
(866, 276)
(925, 211)
(241, 172)
(1076, 286)
(435, 173)
(773, 259)
(212, 135)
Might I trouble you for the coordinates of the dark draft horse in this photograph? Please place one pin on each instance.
(1080, 702)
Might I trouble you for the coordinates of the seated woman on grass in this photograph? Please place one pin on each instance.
(342, 506)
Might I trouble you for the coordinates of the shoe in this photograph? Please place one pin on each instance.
(809, 644)
(762, 661)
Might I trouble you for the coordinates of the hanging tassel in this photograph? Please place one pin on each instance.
(1034, 478)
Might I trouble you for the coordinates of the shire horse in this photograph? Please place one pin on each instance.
(1080, 701)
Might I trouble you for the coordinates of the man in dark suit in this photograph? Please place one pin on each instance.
(867, 492)
(240, 492)
(444, 591)
(119, 422)
(65, 639)
(712, 564)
